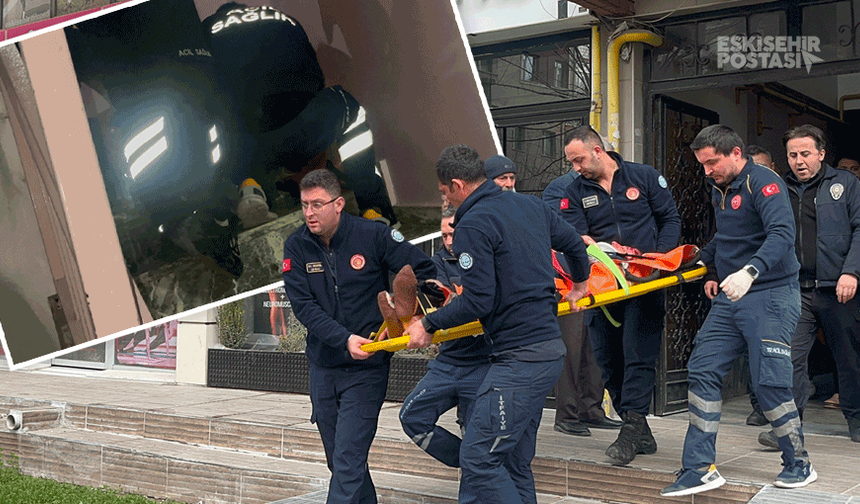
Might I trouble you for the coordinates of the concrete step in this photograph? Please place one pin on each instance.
(299, 443)
(196, 474)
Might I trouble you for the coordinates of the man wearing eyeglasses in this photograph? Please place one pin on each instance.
(334, 267)
(614, 200)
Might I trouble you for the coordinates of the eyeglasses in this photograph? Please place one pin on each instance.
(316, 206)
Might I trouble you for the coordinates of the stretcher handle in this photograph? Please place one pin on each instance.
(591, 301)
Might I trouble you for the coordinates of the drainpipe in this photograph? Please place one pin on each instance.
(612, 80)
(596, 95)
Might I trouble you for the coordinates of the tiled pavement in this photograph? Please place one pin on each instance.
(260, 447)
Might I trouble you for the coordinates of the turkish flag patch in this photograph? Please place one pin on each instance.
(287, 266)
(565, 204)
(770, 190)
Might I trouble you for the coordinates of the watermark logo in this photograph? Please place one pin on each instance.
(741, 52)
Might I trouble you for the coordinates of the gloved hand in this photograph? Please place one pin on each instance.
(737, 284)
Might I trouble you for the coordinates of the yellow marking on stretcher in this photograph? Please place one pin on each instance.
(605, 298)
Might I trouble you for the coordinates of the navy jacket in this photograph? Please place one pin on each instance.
(447, 269)
(333, 291)
(463, 351)
(640, 211)
(754, 226)
(553, 193)
(503, 241)
(837, 215)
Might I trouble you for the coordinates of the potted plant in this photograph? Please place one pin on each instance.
(256, 361)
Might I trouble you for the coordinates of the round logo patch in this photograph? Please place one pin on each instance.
(836, 191)
(466, 261)
(736, 202)
(632, 193)
(662, 182)
(357, 262)
(397, 235)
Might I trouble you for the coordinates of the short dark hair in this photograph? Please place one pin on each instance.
(805, 131)
(449, 212)
(323, 178)
(584, 134)
(722, 138)
(460, 162)
(755, 150)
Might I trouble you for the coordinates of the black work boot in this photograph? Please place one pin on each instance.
(757, 417)
(635, 438)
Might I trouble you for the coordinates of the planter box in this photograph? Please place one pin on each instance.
(288, 372)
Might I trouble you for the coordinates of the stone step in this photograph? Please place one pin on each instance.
(300, 443)
(195, 474)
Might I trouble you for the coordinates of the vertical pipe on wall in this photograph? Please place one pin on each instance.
(596, 95)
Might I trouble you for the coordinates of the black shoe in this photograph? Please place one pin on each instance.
(757, 418)
(854, 429)
(768, 439)
(603, 423)
(572, 428)
(635, 438)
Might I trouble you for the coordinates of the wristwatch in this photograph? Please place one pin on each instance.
(428, 326)
(752, 270)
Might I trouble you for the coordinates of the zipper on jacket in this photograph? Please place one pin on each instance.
(800, 222)
(723, 204)
(615, 216)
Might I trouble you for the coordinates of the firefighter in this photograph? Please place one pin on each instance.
(629, 203)
(503, 242)
(452, 379)
(334, 267)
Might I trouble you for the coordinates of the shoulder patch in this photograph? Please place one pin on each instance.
(662, 181)
(287, 266)
(770, 190)
(836, 191)
(397, 236)
(564, 204)
(466, 260)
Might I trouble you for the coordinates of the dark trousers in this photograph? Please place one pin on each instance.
(841, 326)
(761, 323)
(445, 386)
(346, 404)
(499, 443)
(627, 355)
(579, 391)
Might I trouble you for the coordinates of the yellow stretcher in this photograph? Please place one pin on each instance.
(473, 328)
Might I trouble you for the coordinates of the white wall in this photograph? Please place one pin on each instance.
(195, 335)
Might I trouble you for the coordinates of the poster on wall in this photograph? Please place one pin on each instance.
(152, 347)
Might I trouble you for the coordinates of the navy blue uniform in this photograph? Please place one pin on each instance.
(452, 380)
(639, 212)
(579, 392)
(333, 294)
(754, 226)
(827, 207)
(503, 242)
(447, 269)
